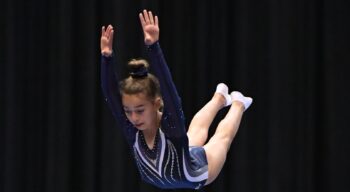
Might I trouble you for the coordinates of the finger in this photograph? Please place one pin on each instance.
(145, 15)
(103, 31)
(150, 17)
(109, 29)
(142, 20)
(156, 21)
(111, 36)
(106, 31)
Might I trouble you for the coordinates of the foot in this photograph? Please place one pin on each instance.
(237, 96)
(223, 90)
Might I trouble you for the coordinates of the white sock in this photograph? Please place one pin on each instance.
(237, 96)
(223, 90)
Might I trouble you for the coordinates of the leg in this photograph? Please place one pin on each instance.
(217, 147)
(198, 130)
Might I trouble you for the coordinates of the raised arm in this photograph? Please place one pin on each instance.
(109, 80)
(174, 125)
(109, 83)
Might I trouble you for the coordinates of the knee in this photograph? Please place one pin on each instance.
(197, 137)
(219, 144)
(197, 131)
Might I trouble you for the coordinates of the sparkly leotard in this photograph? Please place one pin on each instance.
(171, 163)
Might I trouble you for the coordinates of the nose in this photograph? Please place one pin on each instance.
(134, 117)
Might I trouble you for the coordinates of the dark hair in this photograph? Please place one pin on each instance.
(140, 80)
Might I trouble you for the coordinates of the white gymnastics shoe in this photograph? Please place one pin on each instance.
(238, 96)
(223, 90)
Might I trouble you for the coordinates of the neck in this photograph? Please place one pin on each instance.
(150, 134)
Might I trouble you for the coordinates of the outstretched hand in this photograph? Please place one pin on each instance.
(150, 27)
(107, 40)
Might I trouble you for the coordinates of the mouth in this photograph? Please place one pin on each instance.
(138, 125)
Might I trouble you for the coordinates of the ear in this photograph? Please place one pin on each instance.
(158, 102)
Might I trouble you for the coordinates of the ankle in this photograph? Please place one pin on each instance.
(239, 97)
(219, 99)
(239, 105)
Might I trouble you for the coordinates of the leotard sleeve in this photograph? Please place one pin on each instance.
(110, 89)
(173, 121)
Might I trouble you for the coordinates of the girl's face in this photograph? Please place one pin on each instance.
(141, 111)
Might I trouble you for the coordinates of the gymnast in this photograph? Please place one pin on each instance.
(148, 109)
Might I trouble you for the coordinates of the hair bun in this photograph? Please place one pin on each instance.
(138, 71)
(138, 68)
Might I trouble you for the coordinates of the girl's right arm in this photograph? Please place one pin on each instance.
(109, 83)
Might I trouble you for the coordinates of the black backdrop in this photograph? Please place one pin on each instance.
(57, 134)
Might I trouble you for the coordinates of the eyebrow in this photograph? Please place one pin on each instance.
(139, 106)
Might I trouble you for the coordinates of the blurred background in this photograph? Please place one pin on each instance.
(58, 135)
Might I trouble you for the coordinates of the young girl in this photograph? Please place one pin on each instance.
(149, 110)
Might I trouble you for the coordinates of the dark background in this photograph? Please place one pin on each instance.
(57, 134)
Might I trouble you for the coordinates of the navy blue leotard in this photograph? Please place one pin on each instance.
(171, 163)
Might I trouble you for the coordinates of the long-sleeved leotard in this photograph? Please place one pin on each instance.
(171, 163)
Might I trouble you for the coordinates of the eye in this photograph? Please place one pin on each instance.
(139, 111)
(127, 112)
